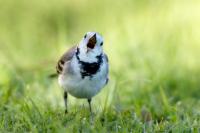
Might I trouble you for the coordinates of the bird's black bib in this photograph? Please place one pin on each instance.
(89, 69)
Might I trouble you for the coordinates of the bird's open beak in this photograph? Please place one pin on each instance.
(92, 41)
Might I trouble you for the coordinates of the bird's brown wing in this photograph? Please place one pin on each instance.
(67, 56)
(106, 57)
(107, 67)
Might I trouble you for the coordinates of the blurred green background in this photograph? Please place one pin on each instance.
(153, 48)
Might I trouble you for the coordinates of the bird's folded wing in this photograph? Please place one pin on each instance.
(107, 67)
(65, 58)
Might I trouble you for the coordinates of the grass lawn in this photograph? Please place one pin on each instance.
(153, 49)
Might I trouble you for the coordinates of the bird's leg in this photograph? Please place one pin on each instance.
(89, 101)
(65, 99)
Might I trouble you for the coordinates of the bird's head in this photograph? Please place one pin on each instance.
(91, 45)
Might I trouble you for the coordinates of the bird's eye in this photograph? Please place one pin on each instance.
(101, 43)
(85, 36)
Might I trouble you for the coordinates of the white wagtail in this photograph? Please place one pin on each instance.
(83, 69)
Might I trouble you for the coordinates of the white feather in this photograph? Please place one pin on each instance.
(85, 87)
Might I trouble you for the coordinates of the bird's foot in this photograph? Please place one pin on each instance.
(66, 111)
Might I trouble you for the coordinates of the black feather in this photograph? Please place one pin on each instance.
(89, 69)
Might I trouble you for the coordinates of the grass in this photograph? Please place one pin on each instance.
(153, 48)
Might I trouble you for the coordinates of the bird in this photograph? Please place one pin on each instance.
(83, 70)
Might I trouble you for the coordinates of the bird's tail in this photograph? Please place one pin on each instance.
(53, 75)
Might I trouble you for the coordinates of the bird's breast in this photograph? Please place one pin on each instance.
(89, 69)
(87, 78)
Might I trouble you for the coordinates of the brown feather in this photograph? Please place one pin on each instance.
(67, 56)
